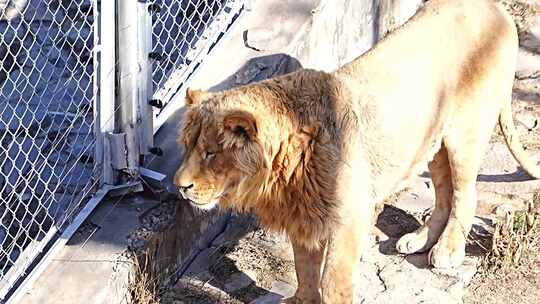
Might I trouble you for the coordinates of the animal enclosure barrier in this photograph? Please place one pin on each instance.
(84, 85)
(183, 33)
(47, 101)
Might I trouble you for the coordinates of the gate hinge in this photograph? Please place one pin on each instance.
(154, 8)
(155, 56)
(117, 150)
(156, 103)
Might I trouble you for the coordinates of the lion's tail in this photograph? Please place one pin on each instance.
(512, 140)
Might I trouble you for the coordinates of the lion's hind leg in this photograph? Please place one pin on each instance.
(426, 236)
(466, 146)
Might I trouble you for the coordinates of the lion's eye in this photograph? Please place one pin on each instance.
(209, 155)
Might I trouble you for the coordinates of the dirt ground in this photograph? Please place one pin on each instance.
(248, 265)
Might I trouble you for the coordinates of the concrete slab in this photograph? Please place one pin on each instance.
(92, 267)
(255, 37)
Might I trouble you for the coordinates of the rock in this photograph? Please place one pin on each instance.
(464, 273)
(378, 236)
(240, 280)
(526, 121)
(288, 18)
(20, 162)
(500, 173)
(278, 244)
(456, 291)
(282, 288)
(201, 262)
(394, 279)
(237, 226)
(15, 116)
(279, 291)
(402, 280)
(369, 284)
(265, 67)
(531, 39)
(420, 197)
(248, 75)
(10, 9)
(270, 298)
(528, 64)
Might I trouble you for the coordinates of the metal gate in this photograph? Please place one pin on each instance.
(47, 95)
(183, 34)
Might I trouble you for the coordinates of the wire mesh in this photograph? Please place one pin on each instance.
(182, 34)
(47, 167)
(48, 91)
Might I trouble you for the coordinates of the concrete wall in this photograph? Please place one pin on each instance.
(341, 30)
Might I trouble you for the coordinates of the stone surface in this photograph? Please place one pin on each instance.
(419, 197)
(528, 64)
(279, 290)
(500, 173)
(239, 280)
(283, 288)
(271, 298)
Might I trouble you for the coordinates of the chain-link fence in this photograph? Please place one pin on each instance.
(47, 96)
(73, 105)
(183, 32)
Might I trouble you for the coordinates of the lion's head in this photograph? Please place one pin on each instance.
(225, 147)
(252, 148)
(239, 142)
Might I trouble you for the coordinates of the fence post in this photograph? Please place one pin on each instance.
(127, 76)
(105, 97)
(135, 86)
(145, 87)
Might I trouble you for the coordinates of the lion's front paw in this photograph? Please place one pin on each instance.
(449, 251)
(424, 237)
(412, 242)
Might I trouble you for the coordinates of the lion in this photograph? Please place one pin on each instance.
(312, 152)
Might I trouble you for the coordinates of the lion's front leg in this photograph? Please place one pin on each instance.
(308, 264)
(344, 250)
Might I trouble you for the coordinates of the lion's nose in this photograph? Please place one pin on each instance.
(185, 188)
(183, 181)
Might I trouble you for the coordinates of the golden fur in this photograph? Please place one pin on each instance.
(311, 152)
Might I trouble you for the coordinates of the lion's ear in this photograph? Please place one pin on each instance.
(241, 124)
(194, 97)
